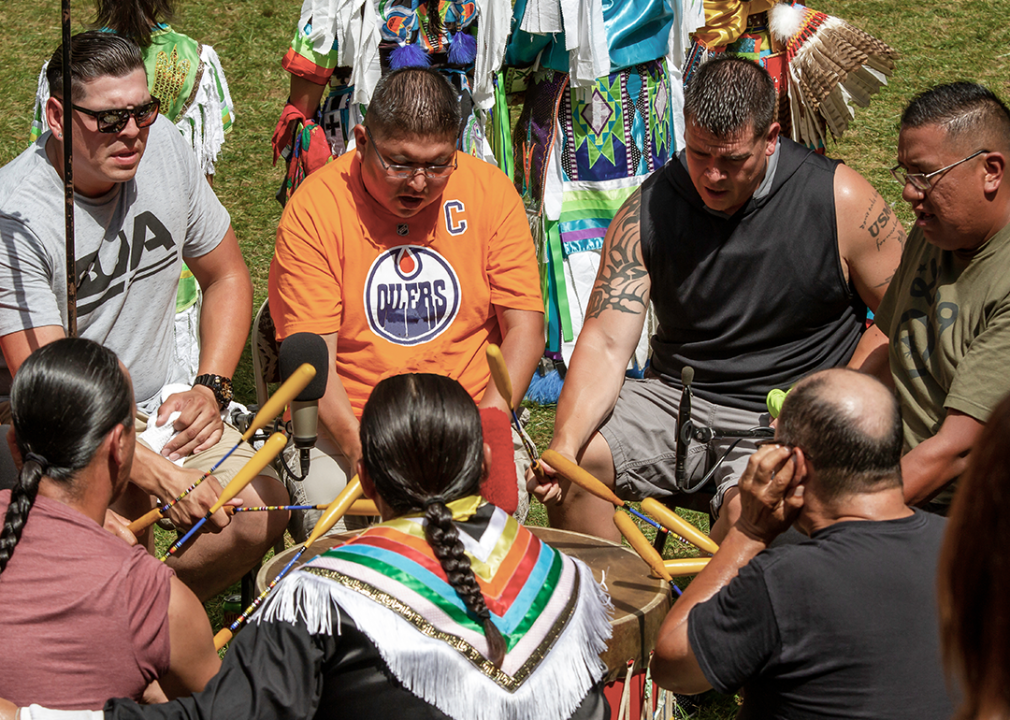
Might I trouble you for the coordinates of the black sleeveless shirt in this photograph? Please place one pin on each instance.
(754, 301)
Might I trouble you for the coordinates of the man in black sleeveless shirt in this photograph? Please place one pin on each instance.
(760, 258)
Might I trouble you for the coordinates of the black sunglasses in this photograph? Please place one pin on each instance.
(113, 121)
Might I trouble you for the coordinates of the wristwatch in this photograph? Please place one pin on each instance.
(221, 387)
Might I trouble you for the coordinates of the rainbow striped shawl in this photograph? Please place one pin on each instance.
(551, 612)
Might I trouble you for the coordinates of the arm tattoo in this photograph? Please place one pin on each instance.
(881, 224)
(885, 283)
(622, 282)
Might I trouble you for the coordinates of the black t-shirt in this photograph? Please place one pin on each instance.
(843, 625)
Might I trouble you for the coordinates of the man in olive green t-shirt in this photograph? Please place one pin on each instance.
(947, 310)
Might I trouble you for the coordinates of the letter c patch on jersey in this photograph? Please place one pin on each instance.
(455, 223)
(412, 295)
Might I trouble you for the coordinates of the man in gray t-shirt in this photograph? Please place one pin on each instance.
(142, 207)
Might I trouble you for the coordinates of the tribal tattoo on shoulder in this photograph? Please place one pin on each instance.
(622, 282)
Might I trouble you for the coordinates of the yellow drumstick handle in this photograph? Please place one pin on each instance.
(585, 480)
(641, 545)
(222, 638)
(251, 469)
(363, 507)
(335, 510)
(672, 521)
(685, 566)
(145, 520)
(500, 373)
(287, 392)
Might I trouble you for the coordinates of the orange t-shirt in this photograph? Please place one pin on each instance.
(403, 294)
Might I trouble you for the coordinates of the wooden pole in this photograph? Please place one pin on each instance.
(68, 177)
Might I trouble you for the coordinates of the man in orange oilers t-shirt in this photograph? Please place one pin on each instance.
(406, 256)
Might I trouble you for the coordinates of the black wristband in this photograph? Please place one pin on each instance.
(221, 387)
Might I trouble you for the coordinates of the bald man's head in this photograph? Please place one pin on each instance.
(849, 427)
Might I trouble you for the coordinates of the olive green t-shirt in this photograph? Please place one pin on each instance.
(947, 316)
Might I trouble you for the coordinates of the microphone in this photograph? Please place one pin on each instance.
(296, 350)
(685, 428)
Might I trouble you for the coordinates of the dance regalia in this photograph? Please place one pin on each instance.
(601, 97)
(350, 44)
(821, 64)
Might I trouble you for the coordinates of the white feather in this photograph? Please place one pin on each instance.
(785, 20)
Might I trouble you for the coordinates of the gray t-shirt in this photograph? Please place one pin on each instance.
(130, 246)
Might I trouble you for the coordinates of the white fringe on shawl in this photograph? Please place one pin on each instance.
(438, 674)
(837, 66)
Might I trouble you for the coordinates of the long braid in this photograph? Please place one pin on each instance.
(444, 539)
(422, 447)
(23, 496)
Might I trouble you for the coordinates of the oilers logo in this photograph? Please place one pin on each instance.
(412, 295)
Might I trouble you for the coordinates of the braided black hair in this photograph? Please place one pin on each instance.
(67, 396)
(422, 446)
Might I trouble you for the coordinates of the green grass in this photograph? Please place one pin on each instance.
(938, 42)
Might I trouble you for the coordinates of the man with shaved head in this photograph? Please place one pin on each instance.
(947, 311)
(843, 624)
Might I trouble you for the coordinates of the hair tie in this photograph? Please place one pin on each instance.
(32, 457)
(433, 501)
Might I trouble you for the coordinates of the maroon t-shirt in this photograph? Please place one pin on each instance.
(83, 616)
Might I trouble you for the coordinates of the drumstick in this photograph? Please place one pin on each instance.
(585, 480)
(674, 522)
(502, 381)
(270, 508)
(334, 511)
(360, 507)
(685, 566)
(249, 471)
(271, 409)
(641, 545)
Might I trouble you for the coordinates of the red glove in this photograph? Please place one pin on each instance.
(282, 133)
(500, 488)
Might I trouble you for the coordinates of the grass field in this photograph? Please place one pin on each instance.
(938, 42)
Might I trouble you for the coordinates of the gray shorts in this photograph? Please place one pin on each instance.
(642, 435)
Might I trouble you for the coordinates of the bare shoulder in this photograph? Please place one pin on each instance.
(865, 220)
(870, 237)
